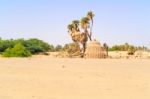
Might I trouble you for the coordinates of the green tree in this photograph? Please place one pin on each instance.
(17, 51)
(36, 46)
(33, 45)
(4, 44)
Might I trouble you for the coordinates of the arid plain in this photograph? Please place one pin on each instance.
(74, 78)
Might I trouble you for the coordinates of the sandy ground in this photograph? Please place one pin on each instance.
(63, 78)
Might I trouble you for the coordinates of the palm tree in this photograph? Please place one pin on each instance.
(75, 24)
(75, 27)
(72, 31)
(85, 24)
(70, 27)
(90, 15)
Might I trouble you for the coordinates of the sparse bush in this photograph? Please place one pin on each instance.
(131, 51)
(73, 49)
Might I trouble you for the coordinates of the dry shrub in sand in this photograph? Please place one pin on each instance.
(72, 49)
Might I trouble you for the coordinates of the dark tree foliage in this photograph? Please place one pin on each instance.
(33, 45)
(36, 46)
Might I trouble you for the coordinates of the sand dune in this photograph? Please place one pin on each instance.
(63, 78)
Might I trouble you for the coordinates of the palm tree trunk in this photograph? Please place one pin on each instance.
(84, 47)
(87, 33)
(91, 29)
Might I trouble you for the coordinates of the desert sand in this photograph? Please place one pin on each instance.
(63, 78)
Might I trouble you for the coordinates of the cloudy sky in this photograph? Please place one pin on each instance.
(115, 21)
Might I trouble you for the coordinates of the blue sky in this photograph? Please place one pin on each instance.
(115, 21)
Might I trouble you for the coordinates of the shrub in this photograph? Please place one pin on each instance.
(73, 49)
(131, 51)
(17, 51)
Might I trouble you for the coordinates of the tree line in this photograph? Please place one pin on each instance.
(26, 48)
(29, 47)
(131, 49)
(126, 47)
(23, 48)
